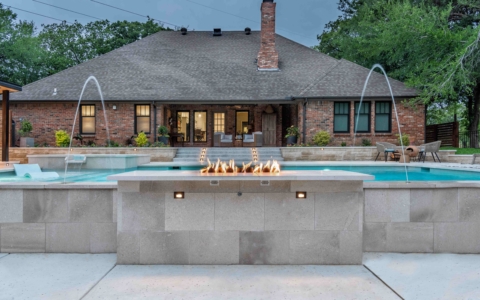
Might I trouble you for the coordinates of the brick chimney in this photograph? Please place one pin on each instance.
(268, 55)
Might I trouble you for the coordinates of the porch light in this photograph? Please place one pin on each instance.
(71, 149)
(179, 195)
(301, 195)
(135, 149)
(7, 164)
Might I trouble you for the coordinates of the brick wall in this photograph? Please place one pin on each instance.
(268, 55)
(47, 117)
(320, 116)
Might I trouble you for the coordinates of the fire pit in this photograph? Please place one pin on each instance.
(221, 167)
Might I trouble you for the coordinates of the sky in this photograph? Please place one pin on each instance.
(298, 20)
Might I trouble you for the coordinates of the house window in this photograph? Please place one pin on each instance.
(341, 119)
(383, 116)
(87, 121)
(219, 122)
(183, 124)
(363, 115)
(142, 118)
(200, 118)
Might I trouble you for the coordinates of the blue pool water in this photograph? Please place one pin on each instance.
(381, 173)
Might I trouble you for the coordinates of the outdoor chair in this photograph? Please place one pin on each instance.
(474, 157)
(253, 140)
(433, 148)
(385, 148)
(221, 139)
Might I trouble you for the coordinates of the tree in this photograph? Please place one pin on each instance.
(430, 45)
(72, 44)
(21, 56)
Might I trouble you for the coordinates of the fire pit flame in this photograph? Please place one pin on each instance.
(221, 167)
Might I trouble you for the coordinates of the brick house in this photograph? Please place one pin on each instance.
(198, 83)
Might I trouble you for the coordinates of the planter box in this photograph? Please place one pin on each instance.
(27, 142)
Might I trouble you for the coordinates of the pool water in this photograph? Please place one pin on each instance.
(380, 173)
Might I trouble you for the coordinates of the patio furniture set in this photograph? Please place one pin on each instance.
(417, 153)
(254, 139)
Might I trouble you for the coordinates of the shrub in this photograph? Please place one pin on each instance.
(141, 140)
(405, 139)
(159, 144)
(163, 131)
(366, 142)
(62, 139)
(292, 131)
(25, 127)
(344, 144)
(111, 143)
(322, 138)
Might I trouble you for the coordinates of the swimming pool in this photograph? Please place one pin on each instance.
(381, 173)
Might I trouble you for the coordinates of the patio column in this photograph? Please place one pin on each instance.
(6, 88)
(5, 123)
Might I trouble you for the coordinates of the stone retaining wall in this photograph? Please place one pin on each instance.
(351, 154)
(422, 217)
(156, 154)
(58, 219)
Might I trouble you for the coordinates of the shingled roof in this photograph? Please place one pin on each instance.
(199, 67)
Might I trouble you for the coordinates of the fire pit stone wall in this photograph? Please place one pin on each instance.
(240, 219)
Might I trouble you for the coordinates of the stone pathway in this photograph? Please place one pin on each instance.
(87, 276)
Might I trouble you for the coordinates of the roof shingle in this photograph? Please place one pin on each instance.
(168, 66)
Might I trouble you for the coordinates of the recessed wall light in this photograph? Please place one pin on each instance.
(301, 195)
(179, 195)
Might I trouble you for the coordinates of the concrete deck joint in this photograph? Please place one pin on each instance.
(378, 277)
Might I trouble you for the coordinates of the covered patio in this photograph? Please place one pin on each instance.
(195, 125)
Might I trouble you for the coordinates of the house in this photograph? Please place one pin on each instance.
(198, 83)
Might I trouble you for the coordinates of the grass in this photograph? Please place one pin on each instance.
(462, 150)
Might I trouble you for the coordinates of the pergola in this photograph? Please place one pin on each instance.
(6, 88)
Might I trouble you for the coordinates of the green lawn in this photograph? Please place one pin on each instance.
(462, 150)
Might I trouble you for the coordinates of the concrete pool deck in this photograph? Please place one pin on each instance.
(88, 276)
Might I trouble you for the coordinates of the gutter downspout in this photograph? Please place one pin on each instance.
(304, 135)
(154, 122)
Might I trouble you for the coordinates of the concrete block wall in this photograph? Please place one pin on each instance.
(53, 219)
(422, 218)
(240, 223)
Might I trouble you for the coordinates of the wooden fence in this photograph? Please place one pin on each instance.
(447, 133)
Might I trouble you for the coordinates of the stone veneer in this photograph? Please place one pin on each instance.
(56, 218)
(239, 221)
(422, 217)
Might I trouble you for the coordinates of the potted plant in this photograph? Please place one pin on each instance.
(24, 131)
(163, 135)
(292, 135)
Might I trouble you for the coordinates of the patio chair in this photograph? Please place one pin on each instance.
(385, 148)
(221, 139)
(474, 157)
(253, 140)
(433, 148)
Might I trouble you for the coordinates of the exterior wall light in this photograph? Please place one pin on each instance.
(114, 107)
(179, 195)
(301, 195)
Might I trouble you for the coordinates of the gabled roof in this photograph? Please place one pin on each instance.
(168, 66)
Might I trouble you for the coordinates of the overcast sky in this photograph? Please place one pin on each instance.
(299, 20)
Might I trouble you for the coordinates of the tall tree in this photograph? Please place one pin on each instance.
(21, 56)
(431, 45)
(72, 44)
